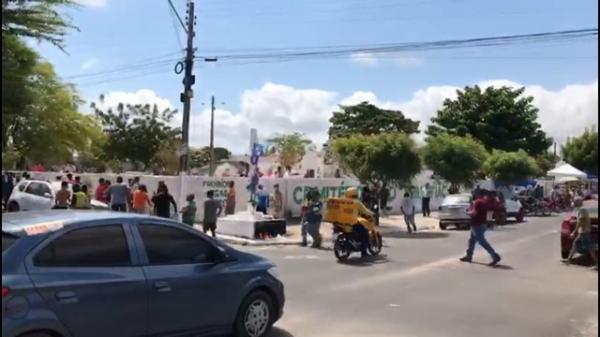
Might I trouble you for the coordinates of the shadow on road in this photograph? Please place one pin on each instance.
(365, 262)
(498, 266)
(416, 235)
(278, 332)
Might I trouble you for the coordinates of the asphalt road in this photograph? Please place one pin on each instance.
(418, 288)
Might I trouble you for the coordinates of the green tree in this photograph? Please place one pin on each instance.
(201, 157)
(546, 161)
(500, 118)
(368, 119)
(458, 160)
(49, 129)
(290, 148)
(582, 151)
(510, 167)
(136, 133)
(389, 158)
(37, 19)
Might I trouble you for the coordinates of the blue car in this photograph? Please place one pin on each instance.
(108, 274)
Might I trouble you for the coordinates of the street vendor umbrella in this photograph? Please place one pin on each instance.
(566, 170)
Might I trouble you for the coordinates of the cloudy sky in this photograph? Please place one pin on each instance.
(127, 50)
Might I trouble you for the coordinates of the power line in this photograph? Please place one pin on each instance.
(337, 51)
(174, 11)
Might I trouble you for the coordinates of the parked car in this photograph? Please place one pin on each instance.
(29, 195)
(568, 225)
(96, 274)
(454, 210)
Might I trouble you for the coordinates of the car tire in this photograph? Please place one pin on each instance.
(36, 334)
(13, 207)
(443, 226)
(255, 316)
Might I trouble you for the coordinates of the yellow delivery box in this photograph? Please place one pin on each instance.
(342, 211)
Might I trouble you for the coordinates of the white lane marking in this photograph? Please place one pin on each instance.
(400, 274)
(392, 305)
(592, 293)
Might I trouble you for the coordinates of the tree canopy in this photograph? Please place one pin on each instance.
(36, 19)
(582, 151)
(510, 167)
(390, 158)
(136, 133)
(368, 119)
(458, 160)
(201, 157)
(290, 148)
(500, 118)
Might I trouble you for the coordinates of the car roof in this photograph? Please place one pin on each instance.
(467, 195)
(18, 222)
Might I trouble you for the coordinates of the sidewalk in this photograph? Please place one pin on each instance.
(387, 225)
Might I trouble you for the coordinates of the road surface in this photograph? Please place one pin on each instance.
(418, 288)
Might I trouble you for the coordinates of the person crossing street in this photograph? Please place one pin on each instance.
(478, 213)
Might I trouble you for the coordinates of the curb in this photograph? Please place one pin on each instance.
(249, 242)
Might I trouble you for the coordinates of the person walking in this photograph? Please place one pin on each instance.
(100, 193)
(7, 186)
(311, 219)
(408, 210)
(427, 192)
(188, 213)
(230, 200)
(80, 199)
(212, 210)
(63, 197)
(263, 200)
(277, 202)
(118, 196)
(163, 201)
(582, 233)
(141, 201)
(478, 213)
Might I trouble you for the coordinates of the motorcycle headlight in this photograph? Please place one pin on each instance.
(273, 272)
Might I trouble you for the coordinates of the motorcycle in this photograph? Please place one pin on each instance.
(347, 241)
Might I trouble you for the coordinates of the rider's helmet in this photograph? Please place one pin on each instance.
(352, 192)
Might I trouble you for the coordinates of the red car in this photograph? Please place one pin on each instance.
(568, 225)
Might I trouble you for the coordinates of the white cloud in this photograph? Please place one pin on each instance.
(364, 59)
(93, 3)
(276, 108)
(142, 96)
(89, 64)
(407, 61)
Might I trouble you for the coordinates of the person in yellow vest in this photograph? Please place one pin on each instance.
(80, 198)
(361, 212)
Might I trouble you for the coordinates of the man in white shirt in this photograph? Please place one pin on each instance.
(408, 209)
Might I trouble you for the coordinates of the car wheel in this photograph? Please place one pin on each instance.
(13, 207)
(256, 315)
(443, 226)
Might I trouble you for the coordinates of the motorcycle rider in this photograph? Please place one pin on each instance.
(363, 226)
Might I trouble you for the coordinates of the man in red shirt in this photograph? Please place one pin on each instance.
(101, 191)
(478, 215)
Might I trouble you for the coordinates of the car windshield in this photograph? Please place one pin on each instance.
(457, 199)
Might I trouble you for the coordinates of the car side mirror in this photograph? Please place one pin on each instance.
(47, 195)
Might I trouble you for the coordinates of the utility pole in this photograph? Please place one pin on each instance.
(188, 81)
(211, 168)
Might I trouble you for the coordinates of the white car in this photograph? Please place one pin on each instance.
(29, 195)
(454, 210)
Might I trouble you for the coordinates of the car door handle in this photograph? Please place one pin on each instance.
(66, 297)
(162, 287)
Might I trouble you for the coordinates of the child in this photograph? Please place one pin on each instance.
(212, 210)
(188, 213)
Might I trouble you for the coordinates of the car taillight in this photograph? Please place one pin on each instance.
(4, 292)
